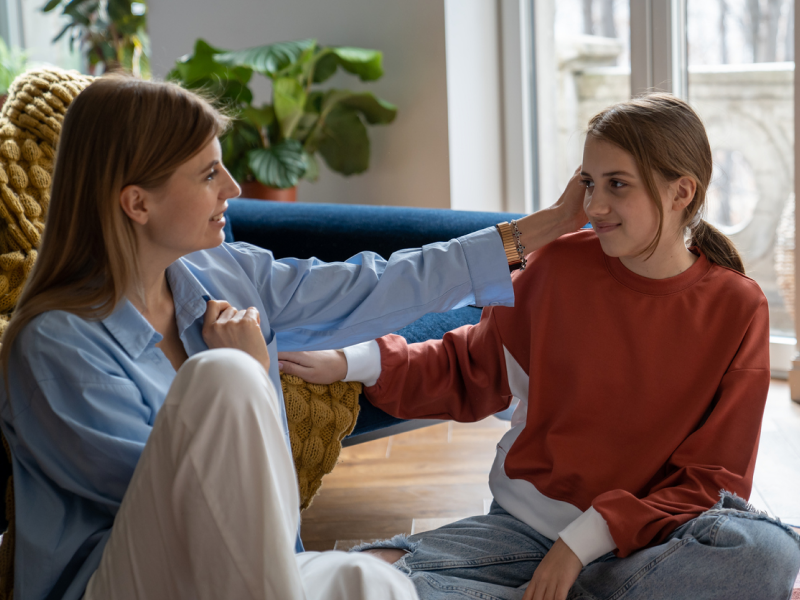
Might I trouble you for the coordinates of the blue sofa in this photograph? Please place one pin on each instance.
(334, 232)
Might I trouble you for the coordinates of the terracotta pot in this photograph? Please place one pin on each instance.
(259, 191)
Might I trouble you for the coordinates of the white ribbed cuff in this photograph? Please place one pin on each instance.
(588, 536)
(363, 362)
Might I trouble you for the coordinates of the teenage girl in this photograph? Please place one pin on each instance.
(642, 369)
(147, 466)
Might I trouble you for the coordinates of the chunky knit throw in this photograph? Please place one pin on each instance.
(30, 123)
(320, 416)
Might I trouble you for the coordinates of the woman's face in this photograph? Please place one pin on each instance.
(618, 205)
(186, 214)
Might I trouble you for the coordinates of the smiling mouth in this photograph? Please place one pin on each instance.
(605, 227)
(220, 215)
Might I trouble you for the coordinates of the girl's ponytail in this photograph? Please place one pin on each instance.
(717, 247)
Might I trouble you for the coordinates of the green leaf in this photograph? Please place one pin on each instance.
(259, 117)
(314, 101)
(51, 5)
(325, 68)
(375, 110)
(199, 67)
(222, 90)
(62, 32)
(305, 126)
(289, 99)
(367, 64)
(344, 143)
(281, 165)
(236, 142)
(312, 167)
(267, 60)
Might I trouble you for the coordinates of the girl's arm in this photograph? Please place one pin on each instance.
(460, 377)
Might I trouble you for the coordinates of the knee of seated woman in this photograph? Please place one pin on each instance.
(223, 376)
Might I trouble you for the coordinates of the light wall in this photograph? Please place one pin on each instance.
(410, 159)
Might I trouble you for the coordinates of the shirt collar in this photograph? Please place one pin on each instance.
(188, 293)
(133, 332)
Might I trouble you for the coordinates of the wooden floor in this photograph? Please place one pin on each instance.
(438, 474)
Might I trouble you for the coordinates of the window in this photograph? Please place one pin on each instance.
(741, 82)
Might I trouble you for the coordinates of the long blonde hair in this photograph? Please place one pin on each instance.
(667, 138)
(119, 131)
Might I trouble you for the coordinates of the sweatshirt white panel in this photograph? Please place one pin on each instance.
(517, 496)
(363, 362)
(518, 384)
(588, 536)
(521, 499)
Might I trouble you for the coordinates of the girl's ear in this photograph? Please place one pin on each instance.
(683, 189)
(133, 201)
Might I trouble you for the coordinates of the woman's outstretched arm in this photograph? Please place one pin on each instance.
(312, 305)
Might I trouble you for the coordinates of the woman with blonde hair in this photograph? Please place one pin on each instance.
(641, 365)
(142, 397)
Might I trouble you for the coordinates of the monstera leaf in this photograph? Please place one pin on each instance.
(269, 60)
(200, 65)
(367, 64)
(289, 100)
(345, 144)
(200, 71)
(280, 166)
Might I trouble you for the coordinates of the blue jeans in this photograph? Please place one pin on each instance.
(728, 553)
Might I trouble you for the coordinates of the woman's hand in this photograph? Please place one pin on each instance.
(555, 575)
(323, 366)
(226, 327)
(566, 215)
(571, 202)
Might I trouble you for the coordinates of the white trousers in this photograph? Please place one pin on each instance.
(212, 509)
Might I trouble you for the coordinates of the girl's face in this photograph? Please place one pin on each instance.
(620, 209)
(186, 214)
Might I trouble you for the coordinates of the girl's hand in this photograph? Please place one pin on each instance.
(555, 575)
(323, 366)
(226, 327)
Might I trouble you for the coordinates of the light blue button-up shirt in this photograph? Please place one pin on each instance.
(83, 395)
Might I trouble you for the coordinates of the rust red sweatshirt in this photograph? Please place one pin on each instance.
(640, 399)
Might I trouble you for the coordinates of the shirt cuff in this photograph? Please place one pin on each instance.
(488, 268)
(588, 536)
(363, 363)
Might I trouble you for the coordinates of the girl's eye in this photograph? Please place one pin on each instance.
(212, 175)
(587, 183)
(616, 184)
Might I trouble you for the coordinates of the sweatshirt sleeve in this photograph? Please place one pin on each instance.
(460, 377)
(719, 455)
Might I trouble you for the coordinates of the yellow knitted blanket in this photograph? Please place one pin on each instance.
(319, 416)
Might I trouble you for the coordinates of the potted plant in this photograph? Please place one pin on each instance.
(111, 32)
(271, 147)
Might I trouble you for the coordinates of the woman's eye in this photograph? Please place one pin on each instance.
(617, 184)
(212, 175)
(587, 183)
